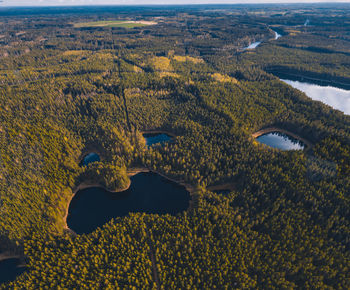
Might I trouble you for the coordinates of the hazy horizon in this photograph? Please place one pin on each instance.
(18, 3)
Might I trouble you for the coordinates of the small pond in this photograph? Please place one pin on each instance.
(281, 141)
(9, 270)
(149, 192)
(156, 138)
(89, 158)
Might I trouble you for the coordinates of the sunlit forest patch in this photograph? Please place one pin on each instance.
(114, 23)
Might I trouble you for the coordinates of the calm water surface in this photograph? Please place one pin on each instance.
(149, 192)
(335, 97)
(281, 141)
(9, 270)
(89, 158)
(253, 45)
(277, 35)
(156, 138)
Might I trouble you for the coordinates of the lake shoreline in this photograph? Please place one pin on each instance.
(8, 256)
(308, 144)
(158, 132)
(336, 98)
(309, 77)
(88, 150)
(131, 172)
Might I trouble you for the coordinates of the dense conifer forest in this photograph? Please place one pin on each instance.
(68, 90)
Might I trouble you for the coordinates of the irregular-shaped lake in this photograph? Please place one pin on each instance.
(9, 270)
(281, 141)
(335, 97)
(156, 138)
(149, 192)
(89, 158)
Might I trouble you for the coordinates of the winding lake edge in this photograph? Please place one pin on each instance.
(131, 172)
(308, 144)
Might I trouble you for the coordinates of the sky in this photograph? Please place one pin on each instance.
(144, 2)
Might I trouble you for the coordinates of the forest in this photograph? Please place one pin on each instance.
(66, 90)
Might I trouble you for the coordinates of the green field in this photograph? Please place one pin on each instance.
(126, 24)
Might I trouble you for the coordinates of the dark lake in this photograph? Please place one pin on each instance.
(156, 138)
(89, 158)
(281, 141)
(149, 192)
(9, 270)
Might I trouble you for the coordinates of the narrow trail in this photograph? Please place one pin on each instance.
(126, 110)
(121, 92)
(153, 259)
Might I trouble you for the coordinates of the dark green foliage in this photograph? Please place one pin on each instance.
(73, 91)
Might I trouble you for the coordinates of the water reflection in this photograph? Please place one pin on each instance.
(337, 98)
(281, 141)
(253, 45)
(156, 138)
(277, 35)
(90, 158)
